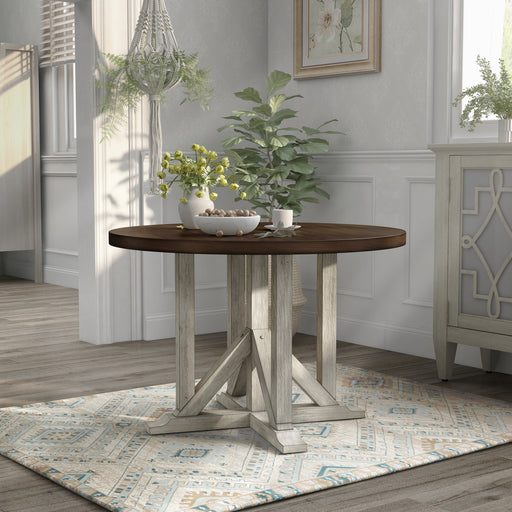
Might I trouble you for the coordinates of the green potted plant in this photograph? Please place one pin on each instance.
(273, 165)
(492, 96)
(272, 159)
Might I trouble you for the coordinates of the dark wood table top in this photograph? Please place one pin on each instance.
(312, 238)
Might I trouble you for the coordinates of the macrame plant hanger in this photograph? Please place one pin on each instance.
(154, 43)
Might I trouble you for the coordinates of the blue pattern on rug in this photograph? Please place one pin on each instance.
(97, 445)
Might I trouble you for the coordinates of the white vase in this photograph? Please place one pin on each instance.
(192, 207)
(505, 130)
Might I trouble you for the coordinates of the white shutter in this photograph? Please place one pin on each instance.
(58, 33)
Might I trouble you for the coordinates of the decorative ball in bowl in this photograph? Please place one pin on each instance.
(227, 222)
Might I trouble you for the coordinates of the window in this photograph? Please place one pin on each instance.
(57, 62)
(479, 29)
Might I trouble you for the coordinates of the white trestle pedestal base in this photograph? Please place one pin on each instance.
(259, 361)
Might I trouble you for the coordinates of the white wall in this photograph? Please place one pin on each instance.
(19, 21)
(379, 172)
(377, 111)
(231, 38)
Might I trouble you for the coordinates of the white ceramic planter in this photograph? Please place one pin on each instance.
(505, 130)
(194, 206)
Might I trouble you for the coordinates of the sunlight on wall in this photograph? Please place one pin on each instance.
(16, 189)
(15, 106)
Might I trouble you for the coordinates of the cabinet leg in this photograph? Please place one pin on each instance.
(445, 356)
(487, 356)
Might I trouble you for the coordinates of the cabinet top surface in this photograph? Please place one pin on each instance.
(311, 238)
(480, 148)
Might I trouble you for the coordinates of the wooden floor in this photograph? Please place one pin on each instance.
(42, 359)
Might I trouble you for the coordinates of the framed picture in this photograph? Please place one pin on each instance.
(334, 37)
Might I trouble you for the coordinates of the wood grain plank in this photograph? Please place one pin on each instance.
(55, 364)
(281, 341)
(185, 328)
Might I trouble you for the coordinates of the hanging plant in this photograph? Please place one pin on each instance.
(154, 64)
(122, 87)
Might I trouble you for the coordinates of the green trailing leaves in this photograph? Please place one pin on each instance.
(272, 158)
(122, 78)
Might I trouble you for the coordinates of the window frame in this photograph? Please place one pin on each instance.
(57, 78)
(487, 131)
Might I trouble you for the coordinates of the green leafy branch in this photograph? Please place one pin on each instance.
(493, 96)
(273, 166)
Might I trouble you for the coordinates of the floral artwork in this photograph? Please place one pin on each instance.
(336, 36)
(335, 26)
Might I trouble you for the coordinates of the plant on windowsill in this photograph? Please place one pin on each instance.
(492, 96)
(273, 166)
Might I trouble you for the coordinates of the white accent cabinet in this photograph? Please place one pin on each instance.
(473, 251)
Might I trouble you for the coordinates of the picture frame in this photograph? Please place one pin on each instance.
(336, 37)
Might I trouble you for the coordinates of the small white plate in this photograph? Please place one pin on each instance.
(271, 226)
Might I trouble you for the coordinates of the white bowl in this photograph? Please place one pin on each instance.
(228, 225)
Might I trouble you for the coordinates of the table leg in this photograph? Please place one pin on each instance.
(185, 328)
(326, 321)
(236, 273)
(270, 382)
(281, 321)
(257, 321)
(267, 353)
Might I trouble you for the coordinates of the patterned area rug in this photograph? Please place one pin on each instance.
(97, 447)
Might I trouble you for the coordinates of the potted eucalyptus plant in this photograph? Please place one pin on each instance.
(492, 96)
(272, 159)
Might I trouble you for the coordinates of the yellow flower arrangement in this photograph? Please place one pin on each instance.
(203, 171)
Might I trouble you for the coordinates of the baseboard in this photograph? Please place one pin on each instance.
(157, 327)
(370, 334)
(60, 277)
(399, 339)
(19, 264)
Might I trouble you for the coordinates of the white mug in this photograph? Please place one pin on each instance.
(282, 218)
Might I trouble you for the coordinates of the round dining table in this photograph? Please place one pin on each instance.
(258, 364)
